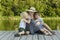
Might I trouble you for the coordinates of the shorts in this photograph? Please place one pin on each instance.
(21, 29)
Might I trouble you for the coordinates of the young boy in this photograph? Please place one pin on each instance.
(25, 20)
(39, 23)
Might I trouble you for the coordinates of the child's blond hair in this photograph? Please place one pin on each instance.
(24, 14)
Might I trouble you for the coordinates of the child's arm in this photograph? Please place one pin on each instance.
(27, 21)
(37, 22)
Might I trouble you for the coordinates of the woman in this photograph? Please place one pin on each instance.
(23, 25)
(31, 13)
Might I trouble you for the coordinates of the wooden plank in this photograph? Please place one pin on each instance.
(24, 37)
(1, 33)
(16, 38)
(12, 36)
(5, 33)
(7, 36)
(58, 31)
(54, 37)
(35, 37)
(29, 37)
(57, 34)
(40, 37)
(47, 37)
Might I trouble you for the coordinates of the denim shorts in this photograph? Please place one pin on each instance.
(35, 28)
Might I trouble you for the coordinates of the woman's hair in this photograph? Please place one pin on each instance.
(23, 14)
(35, 13)
(27, 12)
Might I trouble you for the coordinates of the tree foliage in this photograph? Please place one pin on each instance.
(49, 8)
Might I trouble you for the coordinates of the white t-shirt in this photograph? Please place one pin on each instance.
(22, 24)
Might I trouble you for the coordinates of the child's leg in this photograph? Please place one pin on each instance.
(27, 32)
(44, 31)
(21, 31)
(27, 29)
(46, 26)
(47, 31)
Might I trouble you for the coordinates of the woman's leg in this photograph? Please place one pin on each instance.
(33, 28)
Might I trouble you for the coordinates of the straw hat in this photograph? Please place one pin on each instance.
(32, 9)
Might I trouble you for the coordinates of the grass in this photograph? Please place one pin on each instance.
(10, 23)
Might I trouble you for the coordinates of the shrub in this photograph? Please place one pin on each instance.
(11, 23)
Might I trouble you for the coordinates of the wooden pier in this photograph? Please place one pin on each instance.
(9, 35)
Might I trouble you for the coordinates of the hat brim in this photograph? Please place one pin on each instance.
(31, 11)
